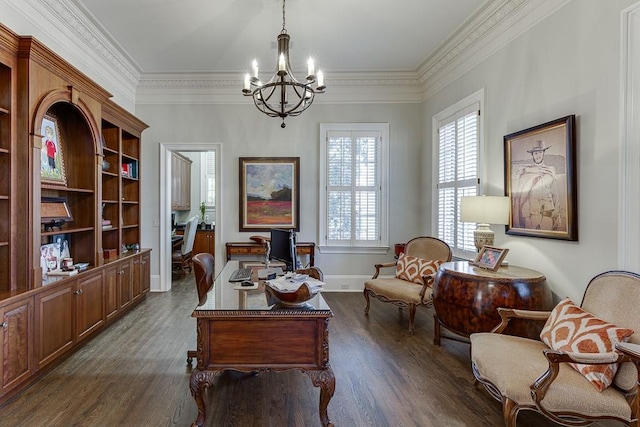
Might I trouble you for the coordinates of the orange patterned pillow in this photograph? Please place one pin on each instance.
(412, 269)
(571, 329)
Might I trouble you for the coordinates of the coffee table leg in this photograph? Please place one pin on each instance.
(199, 380)
(327, 383)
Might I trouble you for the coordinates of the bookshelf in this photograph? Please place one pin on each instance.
(62, 147)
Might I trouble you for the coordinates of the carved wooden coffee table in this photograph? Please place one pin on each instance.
(239, 331)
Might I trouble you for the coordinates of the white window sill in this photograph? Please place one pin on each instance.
(369, 250)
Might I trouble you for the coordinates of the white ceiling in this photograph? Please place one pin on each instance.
(210, 36)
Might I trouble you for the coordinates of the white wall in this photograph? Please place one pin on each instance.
(567, 64)
(242, 131)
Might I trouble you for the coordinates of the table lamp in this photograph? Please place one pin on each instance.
(484, 210)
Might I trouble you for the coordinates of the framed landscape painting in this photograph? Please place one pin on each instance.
(540, 179)
(269, 193)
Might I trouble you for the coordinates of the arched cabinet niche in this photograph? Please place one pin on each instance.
(66, 168)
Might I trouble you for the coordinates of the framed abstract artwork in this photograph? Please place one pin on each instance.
(540, 179)
(51, 157)
(269, 193)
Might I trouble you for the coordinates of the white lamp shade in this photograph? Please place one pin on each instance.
(485, 209)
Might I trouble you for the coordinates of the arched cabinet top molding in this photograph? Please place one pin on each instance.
(68, 96)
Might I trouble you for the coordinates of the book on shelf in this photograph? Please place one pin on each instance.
(60, 272)
(125, 170)
(107, 227)
(106, 222)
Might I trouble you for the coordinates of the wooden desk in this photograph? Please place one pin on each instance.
(252, 248)
(238, 331)
(466, 299)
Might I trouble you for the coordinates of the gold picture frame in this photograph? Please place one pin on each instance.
(269, 193)
(52, 169)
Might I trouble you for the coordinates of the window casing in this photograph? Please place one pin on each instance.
(457, 170)
(353, 198)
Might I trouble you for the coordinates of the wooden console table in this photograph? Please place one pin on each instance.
(252, 248)
(239, 331)
(466, 299)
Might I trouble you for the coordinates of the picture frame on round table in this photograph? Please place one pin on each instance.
(490, 257)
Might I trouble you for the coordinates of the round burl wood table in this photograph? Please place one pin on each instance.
(466, 299)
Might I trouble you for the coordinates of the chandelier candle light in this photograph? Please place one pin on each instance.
(283, 95)
(484, 210)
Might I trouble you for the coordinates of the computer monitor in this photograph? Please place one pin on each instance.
(283, 247)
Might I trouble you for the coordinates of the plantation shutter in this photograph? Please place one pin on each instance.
(458, 148)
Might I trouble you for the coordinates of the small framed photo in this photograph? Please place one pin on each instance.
(490, 257)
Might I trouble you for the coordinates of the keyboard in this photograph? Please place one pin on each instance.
(241, 274)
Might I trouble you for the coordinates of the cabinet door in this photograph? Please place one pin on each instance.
(185, 183)
(201, 243)
(136, 286)
(176, 172)
(111, 288)
(125, 282)
(54, 322)
(205, 242)
(145, 272)
(16, 343)
(89, 305)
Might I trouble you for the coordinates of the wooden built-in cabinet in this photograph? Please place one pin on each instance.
(205, 241)
(16, 342)
(45, 317)
(180, 182)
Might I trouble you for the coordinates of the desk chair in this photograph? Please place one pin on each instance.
(181, 257)
(204, 270)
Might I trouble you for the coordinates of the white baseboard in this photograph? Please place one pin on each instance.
(344, 283)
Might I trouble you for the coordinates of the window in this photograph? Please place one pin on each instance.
(353, 198)
(456, 171)
(208, 176)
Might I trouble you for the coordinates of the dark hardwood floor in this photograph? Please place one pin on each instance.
(134, 374)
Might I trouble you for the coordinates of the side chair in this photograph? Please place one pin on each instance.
(581, 370)
(415, 270)
(204, 270)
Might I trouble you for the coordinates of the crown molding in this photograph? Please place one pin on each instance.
(492, 28)
(495, 24)
(225, 88)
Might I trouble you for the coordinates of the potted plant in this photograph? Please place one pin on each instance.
(203, 207)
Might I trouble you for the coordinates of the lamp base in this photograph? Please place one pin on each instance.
(483, 236)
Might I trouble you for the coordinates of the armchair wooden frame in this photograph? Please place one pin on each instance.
(540, 388)
(424, 247)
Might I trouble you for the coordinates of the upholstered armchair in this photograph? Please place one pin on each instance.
(181, 257)
(410, 287)
(574, 375)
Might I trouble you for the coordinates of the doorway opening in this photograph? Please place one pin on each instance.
(209, 194)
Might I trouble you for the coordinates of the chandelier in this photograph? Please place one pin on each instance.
(283, 95)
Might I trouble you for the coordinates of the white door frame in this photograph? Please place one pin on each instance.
(165, 202)
(629, 178)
